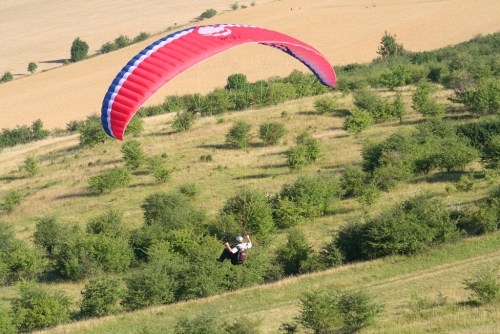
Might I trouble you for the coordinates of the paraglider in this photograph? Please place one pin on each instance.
(171, 55)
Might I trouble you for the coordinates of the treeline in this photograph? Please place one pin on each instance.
(23, 134)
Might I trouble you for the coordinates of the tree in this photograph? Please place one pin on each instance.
(208, 13)
(31, 165)
(133, 155)
(237, 81)
(100, 296)
(48, 233)
(116, 178)
(398, 107)
(423, 102)
(389, 47)
(7, 76)
(484, 99)
(183, 121)
(239, 135)
(32, 67)
(294, 252)
(122, 41)
(271, 132)
(325, 104)
(108, 47)
(358, 121)
(92, 132)
(79, 50)
(37, 307)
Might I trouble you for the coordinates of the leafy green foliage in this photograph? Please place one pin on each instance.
(133, 154)
(319, 313)
(141, 37)
(122, 41)
(92, 133)
(208, 13)
(118, 177)
(239, 135)
(32, 67)
(183, 121)
(135, 126)
(190, 189)
(37, 307)
(483, 99)
(424, 103)
(389, 47)
(11, 200)
(485, 285)
(79, 50)
(478, 219)
(48, 234)
(234, 6)
(294, 252)
(108, 47)
(237, 81)
(158, 168)
(325, 104)
(271, 132)
(23, 134)
(204, 323)
(7, 323)
(100, 296)
(358, 121)
(31, 165)
(6, 77)
(108, 223)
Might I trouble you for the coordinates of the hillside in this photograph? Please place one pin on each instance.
(346, 32)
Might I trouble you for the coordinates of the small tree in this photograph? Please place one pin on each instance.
(486, 286)
(37, 308)
(325, 104)
(141, 37)
(358, 121)
(208, 13)
(48, 233)
(398, 107)
(122, 41)
(79, 50)
(183, 121)
(389, 47)
(100, 296)
(239, 135)
(295, 251)
(271, 133)
(108, 47)
(31, 165)
(133, 155)
(32, 67)
(7, 76)
(111, 180)
(234, 6)
(135, 126)
(92, 132)
(11, 200)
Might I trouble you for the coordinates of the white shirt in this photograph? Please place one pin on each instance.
(243, 245)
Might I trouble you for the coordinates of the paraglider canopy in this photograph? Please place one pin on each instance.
(171, 55)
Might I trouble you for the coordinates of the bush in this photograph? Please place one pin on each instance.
(31, 165)
(325, 104)
(365, 99)
(73, 260)
(100, 296)
(357, 310)
(74, 126)
(239, 135)
(294, 252)
(171, 211)
(160, 172)
(79, 50)
(484, 99)
(237, 81)
(11, 200)
(32, 67)
(118, 177)
(48, 234)
(20, 260)
(92, 132)
(190, 189)
(353, 181)
(389, 47)
(358, 121)
(183, 121)
(141, 37)
(234, 6)
(477, 220)
(109, 224)
(318, 312)
(465, 183)
(122, 41)
(251, 210)
(204, 323)
(312, 146)
(133, 155)
(271, 133)
(485, 285)
(135, 126)
(7, 323)
(37, 308)
(208, 13)
(6, 77)
(296, 157)
(108, 47)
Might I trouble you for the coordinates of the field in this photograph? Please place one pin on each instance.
(352, 32)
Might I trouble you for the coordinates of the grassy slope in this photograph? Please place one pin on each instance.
(61, 189)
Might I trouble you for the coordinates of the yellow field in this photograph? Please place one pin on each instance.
(345, 31)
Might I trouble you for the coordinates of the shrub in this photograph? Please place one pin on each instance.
(118, 177)
(48, 234)
(325, 104)
(398, 107)
(11, 200)
(312, 146)
(465, 183)
(73, 260)
(122, 41)
(31, 165)
(251, 210)
(454, 154)
(318, 312)
(239, 135)
(21, 260)
(353, 181)
(204, 323)
(135, 126)
(109, 224)
(389, 47)
(141, 37)
(294, 252)
(423, 101)
(358, 121)
(7, 323)
(74, 126)
(6, 77)
(150, 286)
(32, 67)
(79, 50)
(110, 254)
(37, 307)
(357, 310)
(237, 81)
(484, 99)
(133, 155)
(190, 189)
(100, 296)
(271, 133)
(296, 157)
(171, 211)
(160, 172)
(208, 13)
(485, 285)
(183, 121)
(234, 6)
(92, 132)
(108, 47)
(477, 220)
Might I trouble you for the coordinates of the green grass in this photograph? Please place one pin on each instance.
(61, 189)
